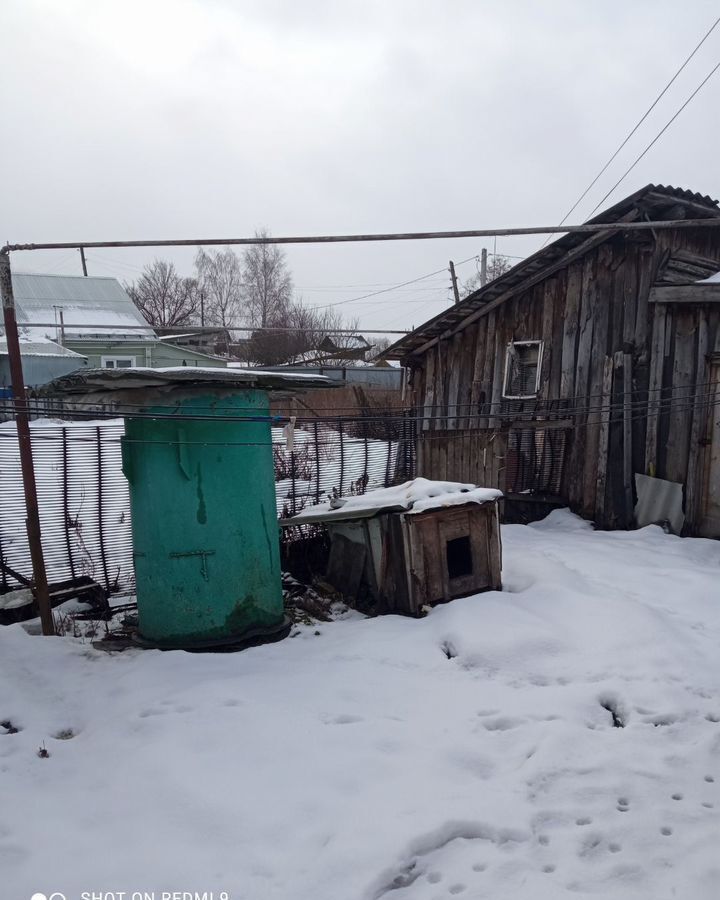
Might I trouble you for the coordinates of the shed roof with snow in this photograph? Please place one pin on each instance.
(416, 496)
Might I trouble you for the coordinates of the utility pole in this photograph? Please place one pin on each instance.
(32, 522)
(453, 277)
(483, 267)
(82, 260)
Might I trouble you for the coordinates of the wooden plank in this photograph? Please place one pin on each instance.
(626, 359)
(657, 363)
(453, 362)
(544, 424)
(573, 294)
(546, 335)
(559, 289)
(582, 374)
(429, 401)
(693, 486)
(680, 414)
(440, 418)
(469, 341)
(498, 372)
(686, 293)
(477, 374)
(603, 287)
(488, 367)
(603, 439)
(647, 265)
(630, 293)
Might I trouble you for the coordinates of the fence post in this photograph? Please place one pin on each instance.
(389, 452)
(366, 477)
(66, 509)
(292, 482)
(317, 463)
(22, 423)
(342, 455)
(101, 534)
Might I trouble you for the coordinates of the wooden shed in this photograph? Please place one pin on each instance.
(590, 367)
(399, 549)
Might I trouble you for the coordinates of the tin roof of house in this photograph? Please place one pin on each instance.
(418, 495)
(99, 301)
(652, 201)
(40, 347)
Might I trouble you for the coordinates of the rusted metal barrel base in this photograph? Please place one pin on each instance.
(252, 637)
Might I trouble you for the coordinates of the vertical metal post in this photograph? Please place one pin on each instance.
(20, 402)
(66, 502)
(100, 523)
(82, 260)
(483, 267)
(342, 454)
(317, 464)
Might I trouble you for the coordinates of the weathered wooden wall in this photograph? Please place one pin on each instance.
(627, 374)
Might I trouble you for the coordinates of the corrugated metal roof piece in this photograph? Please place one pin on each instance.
(102, 301)
(91, 380)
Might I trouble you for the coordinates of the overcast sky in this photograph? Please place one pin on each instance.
(139, 119)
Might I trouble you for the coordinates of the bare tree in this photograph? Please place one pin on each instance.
(497, 265)
(267, 282)
(220, 282)
(299, 335)
(164, 297)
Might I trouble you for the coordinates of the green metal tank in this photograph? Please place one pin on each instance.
(205, 532)
(198, 457)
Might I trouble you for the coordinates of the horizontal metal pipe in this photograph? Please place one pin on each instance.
(192, 329)
(392, 236)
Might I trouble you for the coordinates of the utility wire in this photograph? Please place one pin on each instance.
(636, 126)
(657, 137)
(389, 289)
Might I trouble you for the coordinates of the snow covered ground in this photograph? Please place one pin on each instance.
(471, 753)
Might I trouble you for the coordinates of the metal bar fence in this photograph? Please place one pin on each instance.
(85, 505)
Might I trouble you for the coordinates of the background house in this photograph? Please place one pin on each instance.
(592, 361)
(43, 360)
(115, 336)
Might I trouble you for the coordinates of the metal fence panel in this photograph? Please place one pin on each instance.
(85, 505)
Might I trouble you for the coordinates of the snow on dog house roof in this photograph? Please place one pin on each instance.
(419, 495)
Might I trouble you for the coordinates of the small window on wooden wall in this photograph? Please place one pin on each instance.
(523, 363)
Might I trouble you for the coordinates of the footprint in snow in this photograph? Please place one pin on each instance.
(343, 719)
(623, 804)
(709, 779)
(503, 723)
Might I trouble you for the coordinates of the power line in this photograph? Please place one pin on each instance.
(637, 125)
(657, 137)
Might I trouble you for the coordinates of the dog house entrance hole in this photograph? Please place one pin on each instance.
(459, 557)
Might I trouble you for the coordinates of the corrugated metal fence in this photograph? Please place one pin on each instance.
(83, 495)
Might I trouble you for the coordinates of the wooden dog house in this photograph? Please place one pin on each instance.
(399, 549)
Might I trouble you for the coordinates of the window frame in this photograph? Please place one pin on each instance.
(540, 344)
(115, 359)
